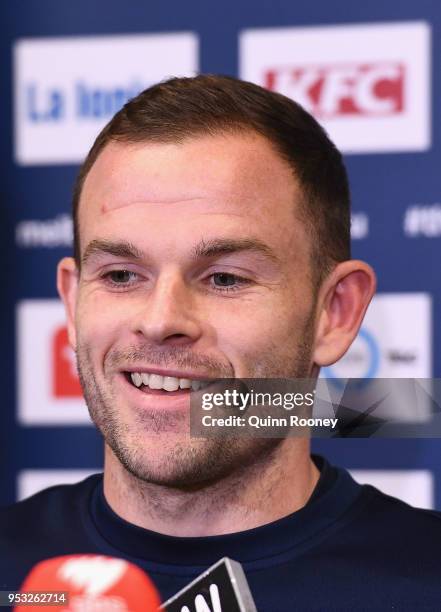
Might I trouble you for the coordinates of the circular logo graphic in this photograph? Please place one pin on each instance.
(362, 361)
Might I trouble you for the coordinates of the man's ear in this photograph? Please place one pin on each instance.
(67, 285)
(343, 300)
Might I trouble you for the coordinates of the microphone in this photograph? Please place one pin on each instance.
(223, 587)
(98, 583)
(94, 583)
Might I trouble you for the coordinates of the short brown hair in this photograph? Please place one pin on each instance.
(180, 108)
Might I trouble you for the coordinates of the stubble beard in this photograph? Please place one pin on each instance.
(189, 463)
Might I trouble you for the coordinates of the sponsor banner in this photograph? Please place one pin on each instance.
(368, 84)
(61, 105)
(32, 481)
(422, 220)
(49, 391)
(359, 225)
(45, 233)
(415, 487)
(395, 340)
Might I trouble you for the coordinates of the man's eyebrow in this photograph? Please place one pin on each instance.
(124, 249)
(203, 250)
(224, 246)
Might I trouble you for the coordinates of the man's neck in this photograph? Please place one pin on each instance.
(258, 494)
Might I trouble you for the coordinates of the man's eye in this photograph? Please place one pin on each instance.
(120, 277)
(224, 281)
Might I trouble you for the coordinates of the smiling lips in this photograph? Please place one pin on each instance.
(165, 383)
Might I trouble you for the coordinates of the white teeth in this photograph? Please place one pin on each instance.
(156, 381)
(136, 379)
(170, 383)
(167, 383)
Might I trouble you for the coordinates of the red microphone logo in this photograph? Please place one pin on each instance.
(92, 583)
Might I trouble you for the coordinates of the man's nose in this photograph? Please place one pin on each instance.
(169, 314)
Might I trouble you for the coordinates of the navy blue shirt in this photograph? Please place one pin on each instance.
(349, 548)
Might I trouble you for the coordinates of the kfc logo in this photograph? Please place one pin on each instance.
(375, 89)
(48, 389)
(368, 84)
(65, 378)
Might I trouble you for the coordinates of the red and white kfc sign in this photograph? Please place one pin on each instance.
(49, 391)
(333, 90)
(369, 85)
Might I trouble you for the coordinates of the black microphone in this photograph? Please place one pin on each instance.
(223, 587)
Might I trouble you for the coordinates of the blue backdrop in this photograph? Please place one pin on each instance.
(385, 186)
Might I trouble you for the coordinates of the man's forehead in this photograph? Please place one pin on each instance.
(211, 188)
(230, 169)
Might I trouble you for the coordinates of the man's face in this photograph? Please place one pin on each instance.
(196, 265)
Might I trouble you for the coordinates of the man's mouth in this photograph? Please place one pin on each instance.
(155, 382)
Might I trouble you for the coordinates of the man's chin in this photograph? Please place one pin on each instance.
(189, 464)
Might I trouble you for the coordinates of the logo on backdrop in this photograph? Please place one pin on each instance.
(60, 109)
(391, 346)
(395, 342)
(339, 90)
(65, 382)
(46, 233)
(49, 391)
(359, 225)
(422, 220)
(368, 84)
